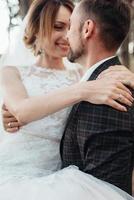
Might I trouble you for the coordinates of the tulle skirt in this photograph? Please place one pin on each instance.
(67, 184)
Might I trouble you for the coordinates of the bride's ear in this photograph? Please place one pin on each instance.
(38, 46)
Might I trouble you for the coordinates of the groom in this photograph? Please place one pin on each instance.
(97, 138)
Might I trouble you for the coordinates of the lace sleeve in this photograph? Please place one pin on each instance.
(80, 71)
(75, 69)
(77, 73)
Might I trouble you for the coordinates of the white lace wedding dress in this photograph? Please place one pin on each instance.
(30, 160)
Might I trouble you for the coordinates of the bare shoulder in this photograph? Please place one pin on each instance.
(9, 71)
(9, 68)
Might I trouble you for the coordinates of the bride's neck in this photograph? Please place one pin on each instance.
(50, 62)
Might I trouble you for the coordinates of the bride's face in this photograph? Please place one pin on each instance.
(57, 45)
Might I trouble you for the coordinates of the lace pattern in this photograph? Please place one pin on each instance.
(34, 150)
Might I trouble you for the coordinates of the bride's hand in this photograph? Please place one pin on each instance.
(107, 91)
(10, 123)
(121, 73)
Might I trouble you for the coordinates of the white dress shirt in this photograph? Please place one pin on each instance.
(93, 68)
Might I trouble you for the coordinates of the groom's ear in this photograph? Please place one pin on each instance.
(88, 28)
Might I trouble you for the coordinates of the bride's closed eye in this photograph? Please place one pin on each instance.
(60, 26)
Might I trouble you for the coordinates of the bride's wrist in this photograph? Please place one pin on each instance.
(84, 90)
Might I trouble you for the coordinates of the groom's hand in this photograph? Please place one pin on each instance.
(10, 123)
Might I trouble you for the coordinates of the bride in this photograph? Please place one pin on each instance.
(40, 98)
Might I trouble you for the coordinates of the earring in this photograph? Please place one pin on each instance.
(41, 52)
(38, 49)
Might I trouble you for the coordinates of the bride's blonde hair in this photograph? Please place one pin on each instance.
(41, 20)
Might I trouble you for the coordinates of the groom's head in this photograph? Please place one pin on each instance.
(98, 22)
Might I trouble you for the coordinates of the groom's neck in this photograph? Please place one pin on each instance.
(95, 54)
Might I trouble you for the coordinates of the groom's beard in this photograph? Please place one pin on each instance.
(73, 56)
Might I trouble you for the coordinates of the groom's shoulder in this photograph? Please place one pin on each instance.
(105, 65)
(104, 115)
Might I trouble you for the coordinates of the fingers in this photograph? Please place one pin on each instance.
(118, 67)
(116, 105)
(119, 97)
(122, 99)
(129, 83)
(123, 75)
(123, 87)
(127, 96)
(9, 119)
(6, 113)
(11, 125)
(117, 75)
(123, 96)
(115, 71)
(12, 130)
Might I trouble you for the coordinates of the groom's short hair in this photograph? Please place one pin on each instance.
(111, 16)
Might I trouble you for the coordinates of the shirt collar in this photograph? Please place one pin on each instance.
(93, 68)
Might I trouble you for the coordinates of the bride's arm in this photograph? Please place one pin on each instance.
(27, 109)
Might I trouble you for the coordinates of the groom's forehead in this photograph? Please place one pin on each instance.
(76, 12)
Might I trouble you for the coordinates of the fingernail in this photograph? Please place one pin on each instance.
(130, 104)
(124, 109)
(130, 92)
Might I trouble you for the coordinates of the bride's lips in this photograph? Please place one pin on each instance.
(63, 45)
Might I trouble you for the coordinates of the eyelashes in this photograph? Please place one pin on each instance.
(58, 27)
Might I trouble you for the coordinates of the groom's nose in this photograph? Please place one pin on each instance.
(67, 35)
